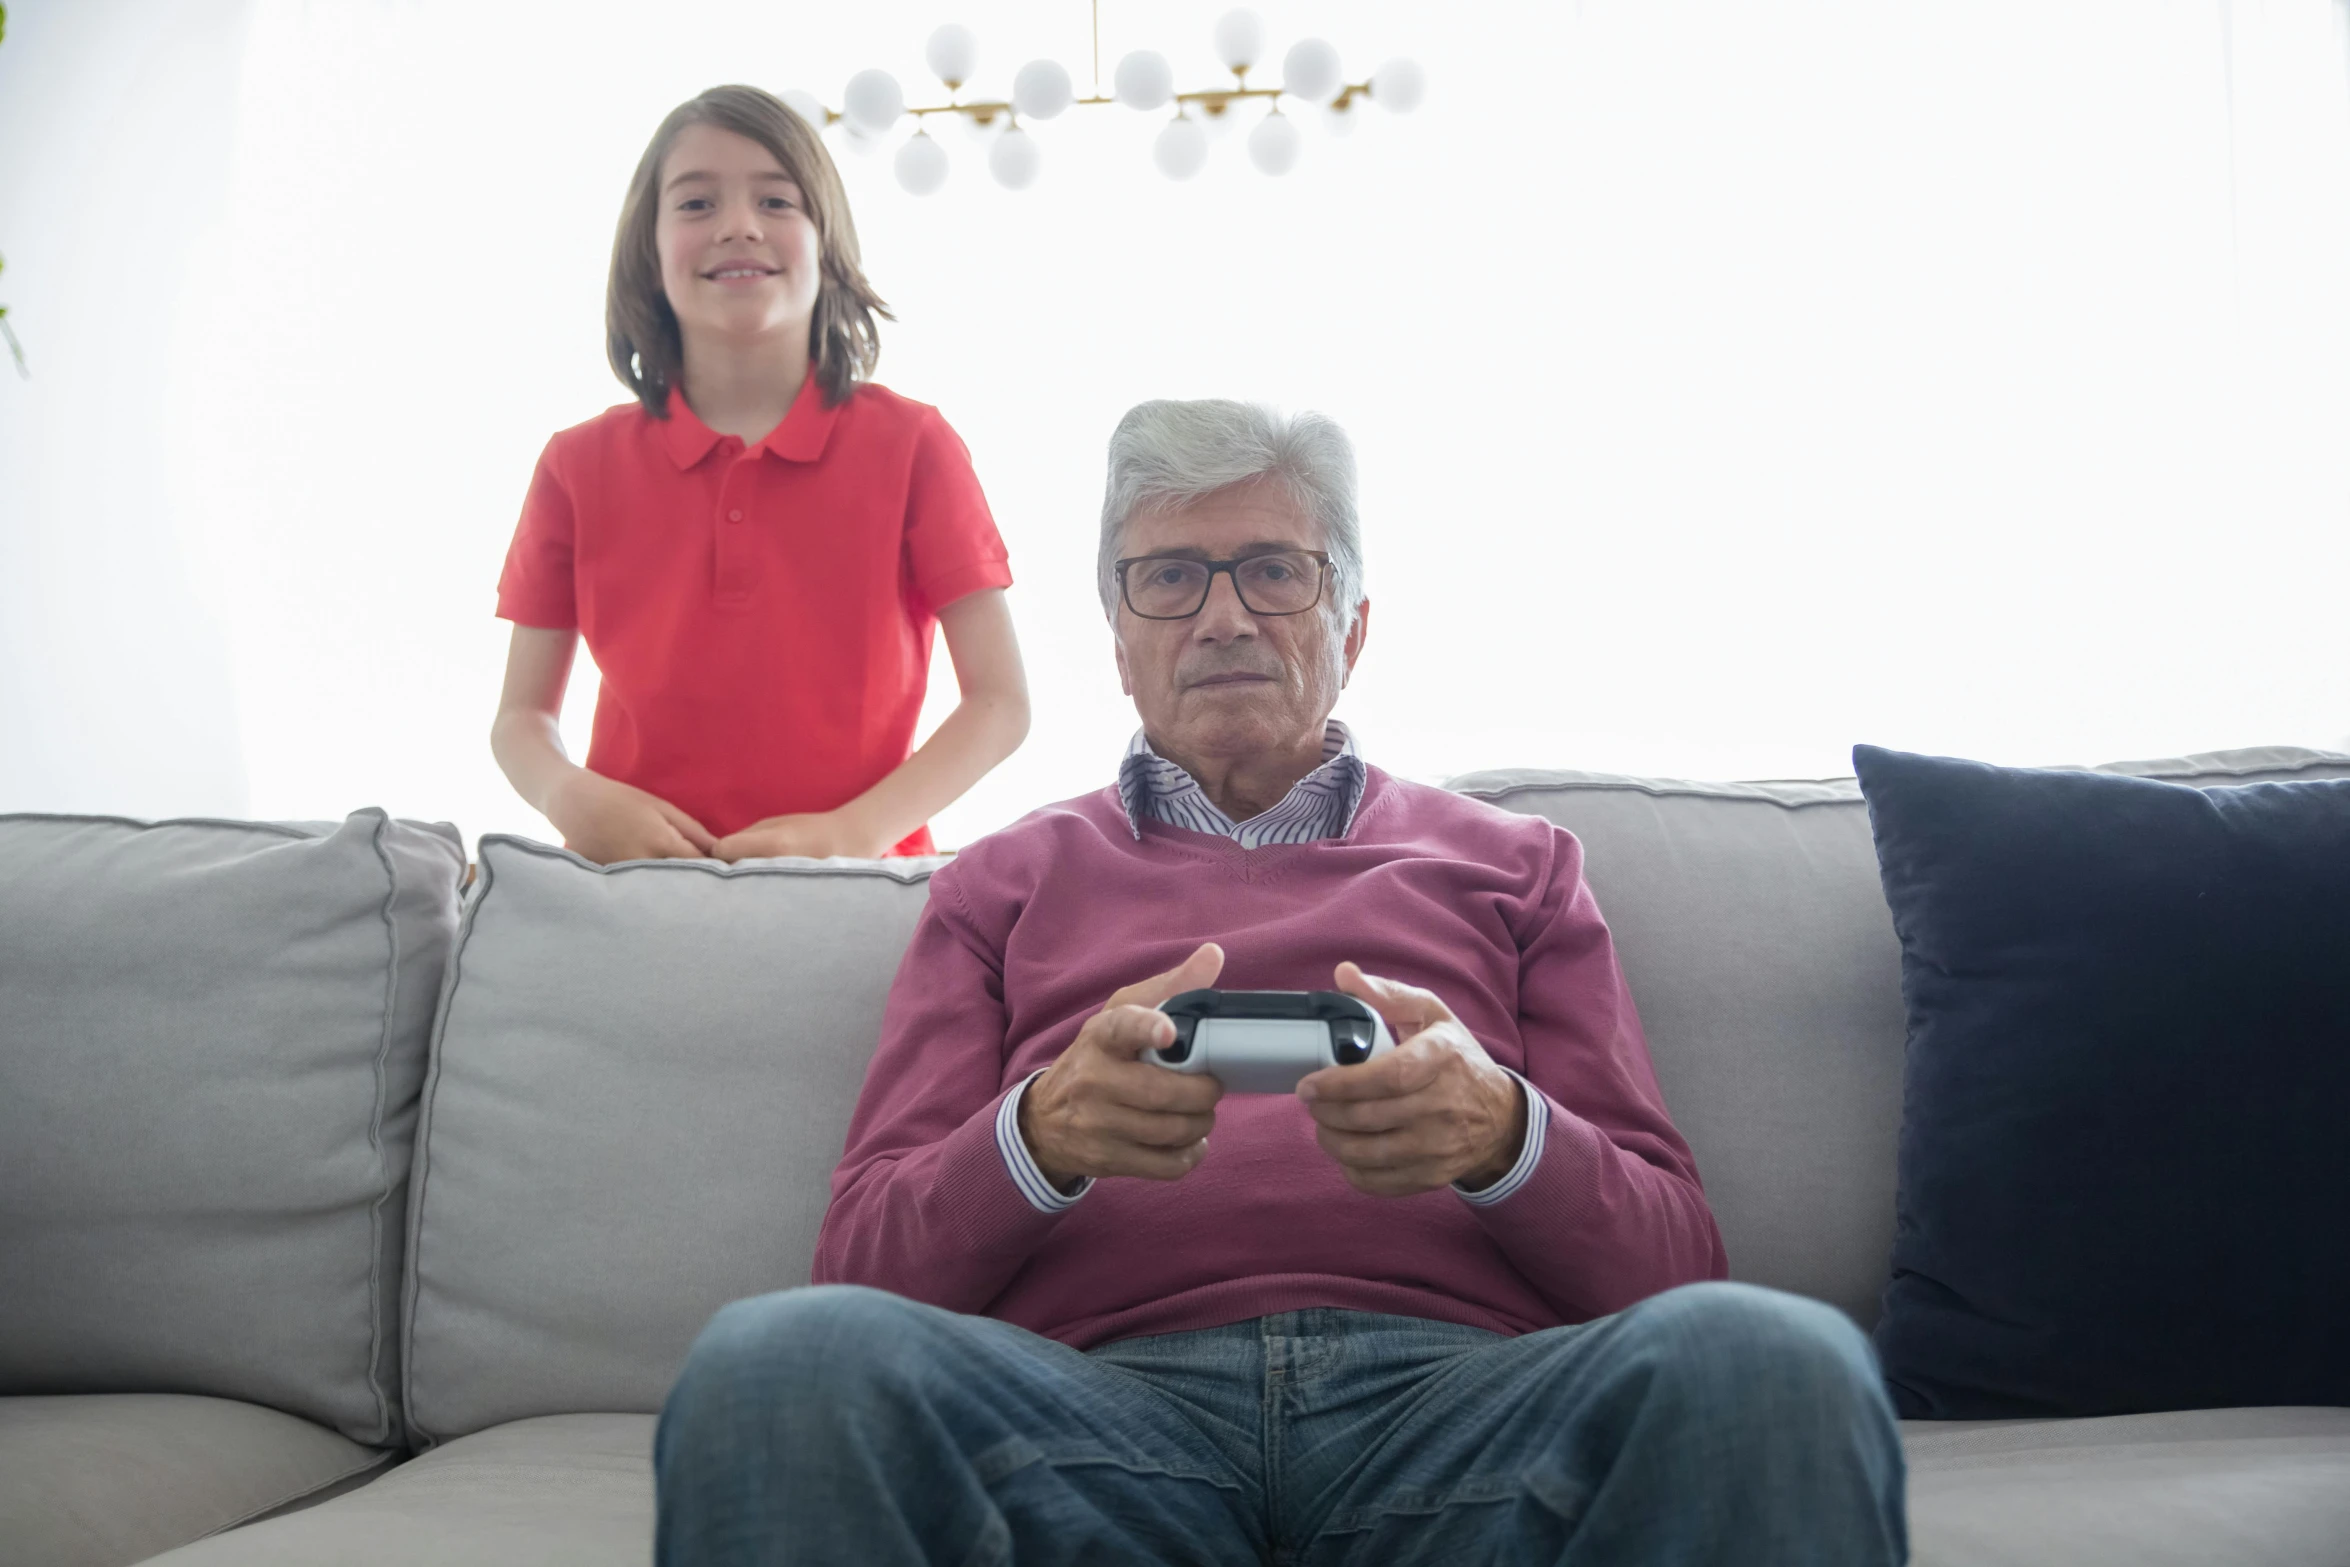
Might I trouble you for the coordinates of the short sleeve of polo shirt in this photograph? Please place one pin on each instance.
(536, 588)
(952, 547)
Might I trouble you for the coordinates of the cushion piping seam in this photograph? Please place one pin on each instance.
(1664, 788)
(420, 1166)
(274, 829)
(373, 1460)
(1659, 791)
(375, 1123)
(551, 852)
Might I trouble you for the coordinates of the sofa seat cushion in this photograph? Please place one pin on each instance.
(2196, 1488)
(554, 1491)
(101, 1479)
(2203, 1488)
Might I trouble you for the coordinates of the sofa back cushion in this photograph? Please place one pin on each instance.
(211, 1040)
(2123, 1169)
(1752, 926)
(642, 1077)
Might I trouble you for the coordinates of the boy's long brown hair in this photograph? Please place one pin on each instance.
(640, 330)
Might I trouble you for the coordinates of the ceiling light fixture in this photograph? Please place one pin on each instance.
(873, 104)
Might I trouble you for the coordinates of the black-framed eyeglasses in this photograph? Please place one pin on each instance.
(1175, 587)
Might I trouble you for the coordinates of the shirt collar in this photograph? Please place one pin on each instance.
(1145, 777)
(800, 438)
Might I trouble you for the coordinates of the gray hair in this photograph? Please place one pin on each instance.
(1167, 453)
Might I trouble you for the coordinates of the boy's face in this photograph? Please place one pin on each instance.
(739, 254)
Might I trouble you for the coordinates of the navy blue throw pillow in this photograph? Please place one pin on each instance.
(2125, 1141)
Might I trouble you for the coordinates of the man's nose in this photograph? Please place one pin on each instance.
(1223, 618)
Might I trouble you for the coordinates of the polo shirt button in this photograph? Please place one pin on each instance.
(734, 516)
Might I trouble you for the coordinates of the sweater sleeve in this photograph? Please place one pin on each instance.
(1611, 1210)
(924, 1203)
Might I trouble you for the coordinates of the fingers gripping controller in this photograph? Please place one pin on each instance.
(1264, 1041)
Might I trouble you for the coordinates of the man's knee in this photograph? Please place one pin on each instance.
(825, 1337)
(1730, 1344)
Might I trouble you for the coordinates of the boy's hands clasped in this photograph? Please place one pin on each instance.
(607, 821)
(813, 834)
(1433, 1111)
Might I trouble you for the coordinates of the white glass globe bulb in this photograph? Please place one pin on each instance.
(1342, 115)
(1144, 80)
(1042, 89)
(921, 164)
(1240, 39)
(1274, 145)
(952, 54)
(1399, 85)
(1181, 149)
(1310, 70)
(805, 104)
(1015, 159)
(872, 101)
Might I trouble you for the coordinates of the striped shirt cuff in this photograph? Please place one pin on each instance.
(1042, 1195)
(1529, 1156)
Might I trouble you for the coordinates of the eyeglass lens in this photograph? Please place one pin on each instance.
(1169, 587)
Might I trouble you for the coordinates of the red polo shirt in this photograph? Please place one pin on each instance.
(761, 617)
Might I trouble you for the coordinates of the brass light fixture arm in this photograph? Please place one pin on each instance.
(1212, 100)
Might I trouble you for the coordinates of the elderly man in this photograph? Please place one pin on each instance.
(1450, 1305)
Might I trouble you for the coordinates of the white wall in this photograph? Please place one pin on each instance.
(1732, 382)
(117, 123)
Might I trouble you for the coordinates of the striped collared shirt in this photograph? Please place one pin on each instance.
(1321, 805)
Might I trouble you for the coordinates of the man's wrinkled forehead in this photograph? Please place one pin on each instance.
(1254, 518)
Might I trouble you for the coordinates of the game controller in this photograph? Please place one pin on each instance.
(1264, 1041)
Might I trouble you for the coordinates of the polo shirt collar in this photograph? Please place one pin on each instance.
(800, 438)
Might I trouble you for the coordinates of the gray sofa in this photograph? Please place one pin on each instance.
(346, 1217)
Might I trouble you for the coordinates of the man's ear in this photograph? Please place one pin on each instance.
(1125, 675)
(1356, 635)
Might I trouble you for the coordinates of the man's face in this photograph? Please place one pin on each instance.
(1228, 684)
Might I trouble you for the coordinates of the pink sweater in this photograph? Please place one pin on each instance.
(1028, 932)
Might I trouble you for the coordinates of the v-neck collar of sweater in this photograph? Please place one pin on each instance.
(1266, 862)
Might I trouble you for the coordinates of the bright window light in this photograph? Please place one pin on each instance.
(1732, 382)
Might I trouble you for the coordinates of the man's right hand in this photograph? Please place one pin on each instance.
(1103, 1110)
(607, 820)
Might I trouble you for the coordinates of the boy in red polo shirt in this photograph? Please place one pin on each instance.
(756, 549)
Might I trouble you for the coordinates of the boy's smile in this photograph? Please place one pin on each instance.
(740, 272)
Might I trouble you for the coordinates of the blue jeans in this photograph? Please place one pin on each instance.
(1713, 1423)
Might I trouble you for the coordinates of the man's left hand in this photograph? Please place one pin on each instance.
(814, 834)
(1430, 1112)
